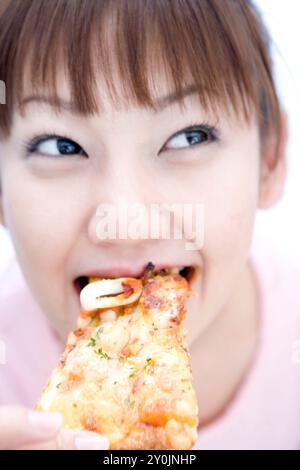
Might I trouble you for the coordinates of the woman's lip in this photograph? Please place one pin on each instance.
(117, 272)
(188, 271)
(131, 271)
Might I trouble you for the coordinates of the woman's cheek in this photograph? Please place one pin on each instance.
(230, 209)
(229, 221)
(39, 223)
(43, 232)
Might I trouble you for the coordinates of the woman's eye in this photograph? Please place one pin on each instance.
(192, 136)
(54, 146)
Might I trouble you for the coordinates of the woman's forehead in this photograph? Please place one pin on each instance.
(162, 94)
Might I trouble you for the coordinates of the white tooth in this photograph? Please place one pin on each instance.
(175, 270)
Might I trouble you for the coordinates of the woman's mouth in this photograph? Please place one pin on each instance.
(188, 272)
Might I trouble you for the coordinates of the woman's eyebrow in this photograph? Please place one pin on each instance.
(159, 105)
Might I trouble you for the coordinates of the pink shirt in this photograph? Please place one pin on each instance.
(265, 412)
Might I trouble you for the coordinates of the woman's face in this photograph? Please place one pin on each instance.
(51, 192)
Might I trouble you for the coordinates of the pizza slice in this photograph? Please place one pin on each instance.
(125, 372)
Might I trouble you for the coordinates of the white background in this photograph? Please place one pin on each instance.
(280, 224)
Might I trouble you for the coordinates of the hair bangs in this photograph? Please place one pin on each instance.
(129, 47)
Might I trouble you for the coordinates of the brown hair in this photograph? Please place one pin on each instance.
(222, 47)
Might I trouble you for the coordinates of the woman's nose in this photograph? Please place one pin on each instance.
(121, 214)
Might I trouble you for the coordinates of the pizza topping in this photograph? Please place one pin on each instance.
(78, 332)
(102, 354)
(92, 342)
(94, 320)
(90, 422)
(109, 293)
(108, 315)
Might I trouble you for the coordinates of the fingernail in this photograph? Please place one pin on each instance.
(92, 443)
(45, 423)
